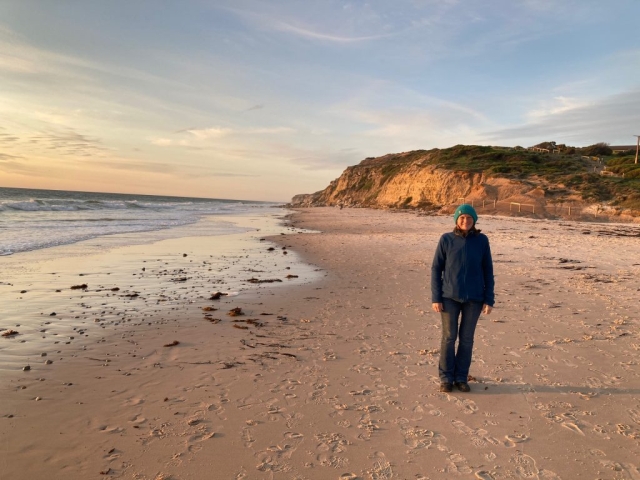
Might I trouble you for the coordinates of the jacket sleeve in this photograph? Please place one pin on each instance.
(437, 267)
(487, 271)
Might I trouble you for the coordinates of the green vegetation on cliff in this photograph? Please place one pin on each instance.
(575, 171)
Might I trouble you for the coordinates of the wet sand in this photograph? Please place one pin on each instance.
(334, 374)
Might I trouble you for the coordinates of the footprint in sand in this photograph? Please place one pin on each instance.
(133, 402)
(466, 406)
(635, 415)
(458, 464)
(247, 437)
(573, 427)
(525, 465)
(293, 420)
(516, 438)
(381, 469)
(108, 429)
(484, 475)
(200, 437)
(137, 419)
(594, 382)
(418, 438)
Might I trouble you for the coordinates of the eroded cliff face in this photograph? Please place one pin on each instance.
(415, 180)
(393, 181)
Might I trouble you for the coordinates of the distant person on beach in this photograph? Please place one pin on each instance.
(461, 288)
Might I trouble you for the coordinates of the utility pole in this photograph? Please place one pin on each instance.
(637, 146)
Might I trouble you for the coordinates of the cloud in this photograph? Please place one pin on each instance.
(315, 35)
(320, 158)
(10, 164)
(49, 139)
(614, 119)
(8, 138)
(206, 133)
(185, 171)
(296, 26)
(255, 107)
(557, 106)
(6, 156)
(202, 135)
(66, 141)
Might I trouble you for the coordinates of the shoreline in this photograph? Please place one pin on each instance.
(339, 380)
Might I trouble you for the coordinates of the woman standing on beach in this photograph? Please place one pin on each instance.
(461, 288)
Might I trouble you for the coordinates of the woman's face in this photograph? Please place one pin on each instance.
(465, 222)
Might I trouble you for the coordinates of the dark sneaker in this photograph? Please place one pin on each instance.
(463, 386)
(446, 387)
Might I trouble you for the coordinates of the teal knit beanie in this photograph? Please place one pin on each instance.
(467, 209)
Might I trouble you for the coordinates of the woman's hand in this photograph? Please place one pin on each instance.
(437, 307)
(486, 309)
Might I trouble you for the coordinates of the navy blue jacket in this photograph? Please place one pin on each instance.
(462, 269)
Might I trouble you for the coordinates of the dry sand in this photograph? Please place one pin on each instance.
(336, 376)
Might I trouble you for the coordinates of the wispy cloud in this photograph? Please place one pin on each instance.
(295, 25)
(316, 35)
(11, 164)
(198, 136)
(185, 171)
(69, 142)
(6, 156)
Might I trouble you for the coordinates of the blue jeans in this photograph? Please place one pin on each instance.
(454, 366)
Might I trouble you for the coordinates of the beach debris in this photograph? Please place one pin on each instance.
(172, 344)
(433, 351)
(241, 327)
(226, 365)
(84, 286)
(288, 354)
(217, 295)
(234, 312)
(115, 289)
(184, 254)
(23, 291)
(52, 314)
(180, 279)
(48, 362)
(213, 320)
(10, 333)
(285, 252)
(37, 399)
(26, 368)
(105, 472)
(209, 309)
(270, 249)
(131, 295)
(292, 276)
(266, 280)
(250, 321)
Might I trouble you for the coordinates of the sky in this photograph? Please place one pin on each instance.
(262, 100)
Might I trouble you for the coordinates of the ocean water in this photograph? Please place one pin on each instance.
(37, 219)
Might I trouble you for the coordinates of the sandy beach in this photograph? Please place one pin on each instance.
(330, 369)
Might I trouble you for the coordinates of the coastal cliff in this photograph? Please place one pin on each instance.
(501, 179)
